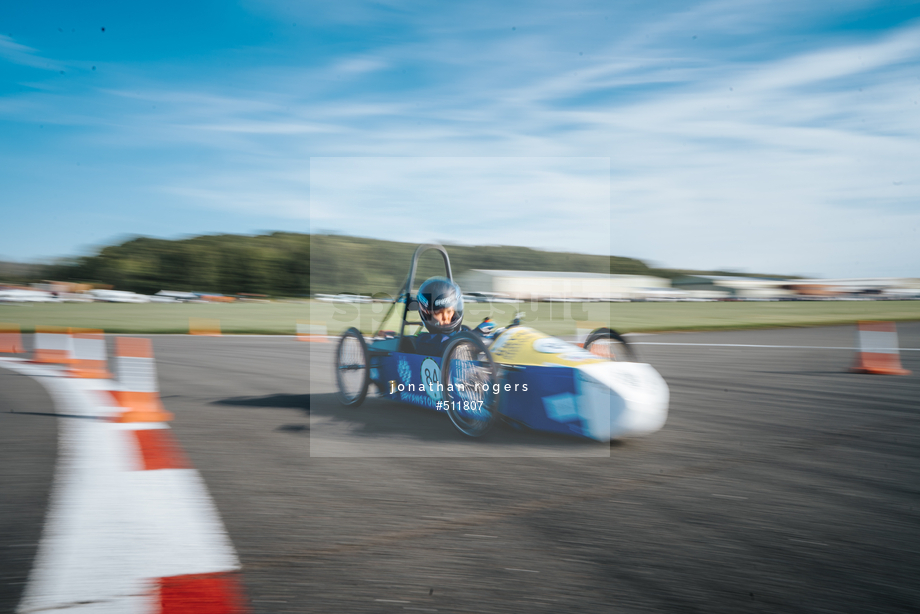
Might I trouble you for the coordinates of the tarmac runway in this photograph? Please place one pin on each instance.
(28, 450)
(781, 482)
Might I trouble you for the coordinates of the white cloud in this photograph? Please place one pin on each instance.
(547, 202)
(359, 65)
(16, 53)
(854, 59)
(744, 155)
(773, 172)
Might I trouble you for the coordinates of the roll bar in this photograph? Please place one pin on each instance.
(407, 289)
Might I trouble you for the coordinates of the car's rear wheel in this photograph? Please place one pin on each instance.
(609, 344)
(469, 376)
(351, 368)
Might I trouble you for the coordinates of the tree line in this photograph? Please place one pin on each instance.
(292, 264)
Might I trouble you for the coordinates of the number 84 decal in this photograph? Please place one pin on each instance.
(431, 378)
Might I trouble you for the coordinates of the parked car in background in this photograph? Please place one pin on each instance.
(117, 296)
(18, 295)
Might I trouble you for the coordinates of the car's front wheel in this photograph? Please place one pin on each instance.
(469, 376)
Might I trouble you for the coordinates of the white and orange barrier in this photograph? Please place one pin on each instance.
(212, 593)
(89, 355)
(878, 350)
(204, 326)
(10, 339)
(53, 345)
(137, 391)
(131, 527)
(312, 331)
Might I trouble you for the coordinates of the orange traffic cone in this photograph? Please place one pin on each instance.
(89, 359)
(311, 331)
(10, 339)
(53, 345)
(204, 326)
(878, 350)
(137, 389)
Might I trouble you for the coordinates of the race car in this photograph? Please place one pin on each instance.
(515, 374)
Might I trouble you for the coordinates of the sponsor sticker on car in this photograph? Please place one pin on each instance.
(525, 346)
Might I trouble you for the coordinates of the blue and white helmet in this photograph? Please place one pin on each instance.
(436, 294)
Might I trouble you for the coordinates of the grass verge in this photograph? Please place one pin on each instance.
(553, 318)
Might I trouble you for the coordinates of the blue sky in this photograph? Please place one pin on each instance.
(762, 136)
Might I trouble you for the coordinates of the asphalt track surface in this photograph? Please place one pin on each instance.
(28, 450)
(781, 482)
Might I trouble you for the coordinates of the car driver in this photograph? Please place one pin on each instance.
(440, 305)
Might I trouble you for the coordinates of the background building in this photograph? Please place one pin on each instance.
(542, 285)
(755, 287)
